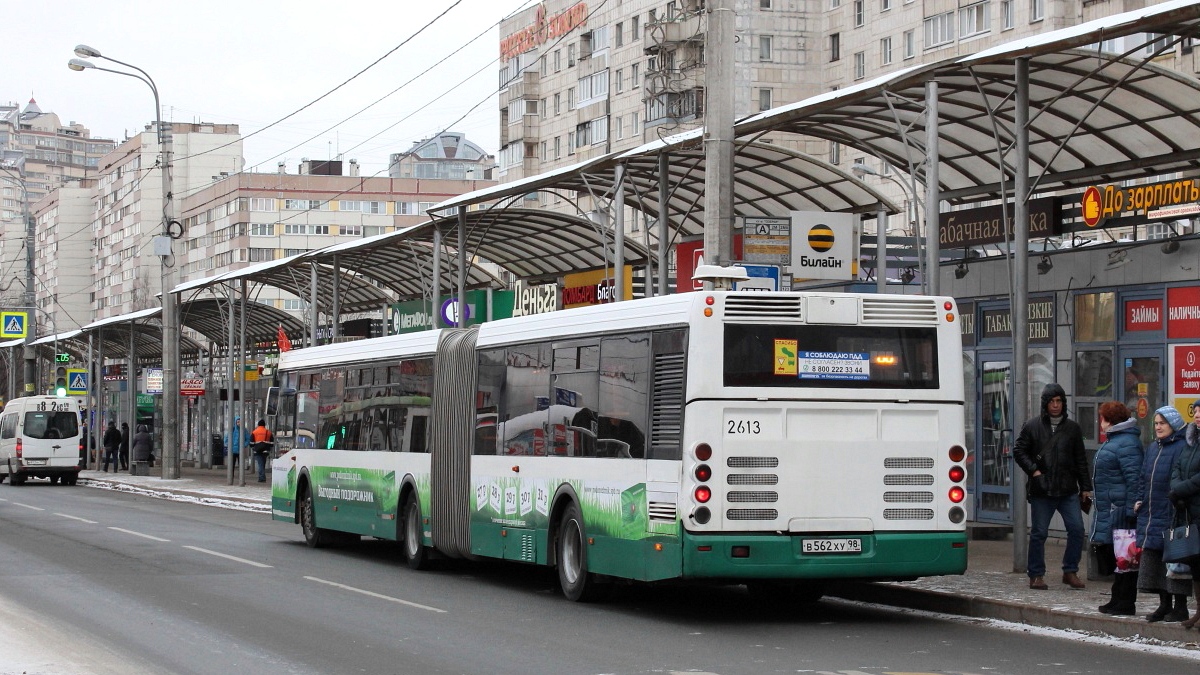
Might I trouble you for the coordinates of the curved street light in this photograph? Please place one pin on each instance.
(170, 325)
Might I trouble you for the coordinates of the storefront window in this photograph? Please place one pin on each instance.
(1041, 373)
(1095, 317)
(1093, 374)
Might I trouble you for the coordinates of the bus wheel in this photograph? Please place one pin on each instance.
(578, 585)
(415, 553)
(314, 536)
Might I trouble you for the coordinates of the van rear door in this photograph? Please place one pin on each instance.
(50, 437)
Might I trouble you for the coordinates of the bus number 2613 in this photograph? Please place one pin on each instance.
(743, 427)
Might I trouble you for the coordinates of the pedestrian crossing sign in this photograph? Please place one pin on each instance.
(14, 324)
(77, 382)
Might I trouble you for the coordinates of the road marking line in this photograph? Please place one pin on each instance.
(376, 595)
(27, 506)
(82, 520)
(138, 534)
(228, 557)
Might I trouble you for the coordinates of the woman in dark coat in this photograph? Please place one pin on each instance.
(1117, 474)
(1155, 512)
(1185, 492)
(143, 444)
(124, 453)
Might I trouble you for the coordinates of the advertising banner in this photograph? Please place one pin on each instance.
(824, 245)
(1183, 366)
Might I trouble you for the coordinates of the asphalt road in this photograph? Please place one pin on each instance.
(102, 582)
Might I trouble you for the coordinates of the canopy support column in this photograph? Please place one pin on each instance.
(618, 207)
(436, 290)
(881, 220)
(461, 319)
(337, 299)
(664, 220)
(1018, 303)
(933, 197)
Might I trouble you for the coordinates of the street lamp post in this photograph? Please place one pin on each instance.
(861, 170)
(162, 248)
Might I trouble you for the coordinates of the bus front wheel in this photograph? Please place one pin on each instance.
(578, 585)
(415, 553)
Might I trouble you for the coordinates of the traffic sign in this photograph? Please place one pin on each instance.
(762, 278)
(14, 324)
(77, 381)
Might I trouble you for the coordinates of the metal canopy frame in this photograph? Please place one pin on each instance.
(1093, 116)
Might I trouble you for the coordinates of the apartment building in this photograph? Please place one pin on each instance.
(127, 214)
(449, 155)
(64, 256)
(255, 217)
(39, 153)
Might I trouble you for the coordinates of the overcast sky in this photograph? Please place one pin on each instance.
(252, 62)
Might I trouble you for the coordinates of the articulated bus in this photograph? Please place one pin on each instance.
(773, 439)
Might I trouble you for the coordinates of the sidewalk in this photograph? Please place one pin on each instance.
(989, 589)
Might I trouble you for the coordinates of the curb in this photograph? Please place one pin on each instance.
(199, 495)
(988, 608)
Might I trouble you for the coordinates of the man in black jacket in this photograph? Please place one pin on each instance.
(1050, 451)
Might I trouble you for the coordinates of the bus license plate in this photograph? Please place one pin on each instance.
(832, 546)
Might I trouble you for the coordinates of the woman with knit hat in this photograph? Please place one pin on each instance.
(1154, 514)
(1185, 493)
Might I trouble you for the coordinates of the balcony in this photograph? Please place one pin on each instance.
(687, 27)
(527, 86)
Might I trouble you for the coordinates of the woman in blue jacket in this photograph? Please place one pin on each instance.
(1154, 514)
(1117, 475)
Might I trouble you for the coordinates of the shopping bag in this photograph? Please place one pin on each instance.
(1181, 544)
(1126, 550)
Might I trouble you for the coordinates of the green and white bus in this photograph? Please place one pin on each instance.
(767, 438)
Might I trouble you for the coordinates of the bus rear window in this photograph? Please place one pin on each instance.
(857, 357)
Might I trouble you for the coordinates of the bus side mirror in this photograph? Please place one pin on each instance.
(272, 401)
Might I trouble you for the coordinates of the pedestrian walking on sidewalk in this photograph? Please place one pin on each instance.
(1185, 493)
(1050, 452)
(261, 437)
(112, 444)
(1116, 477)
(1155, 511)
(124, 454)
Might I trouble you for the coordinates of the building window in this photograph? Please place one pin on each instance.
(262, 230)
(835, 47)
(976, 19)
(764, 4)
(939, 29)
(885, 5)
(764, 99)
(262, 204)
(910, 43)
(571, 55)
(835, 153)
(860, 13)
(545, 65)
(1006, 14)
(635, 79)
(570, 143)
(1037, 10)
(764, 47)
(619, 33)
(545, 112)
(860, 65)
(570, 98)
(620, 80)
(544, 157)
(557, 147)
(557, 60)
(635, 28)
(834, 4)
(885, 51)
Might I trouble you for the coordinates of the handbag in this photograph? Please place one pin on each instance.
(1126, 551)
(1181, 543)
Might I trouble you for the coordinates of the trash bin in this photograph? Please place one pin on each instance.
(218, 450)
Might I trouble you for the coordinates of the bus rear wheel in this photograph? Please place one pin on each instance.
(578, 585)
(415, 552)
(314, 536)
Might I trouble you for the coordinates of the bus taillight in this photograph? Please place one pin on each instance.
(703, 452)
(957, 474)
(957, 494)
(703, 473)
(703, 494)
(957, 453)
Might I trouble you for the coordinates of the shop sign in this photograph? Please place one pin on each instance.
(1183, 312)
(975, 227)
(191, 386)
(1168, 199)
(1143, 315)
(528, 300)
(543, 29)
(997, 323)
(688, 256)
(597, 287)
(966, 323)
